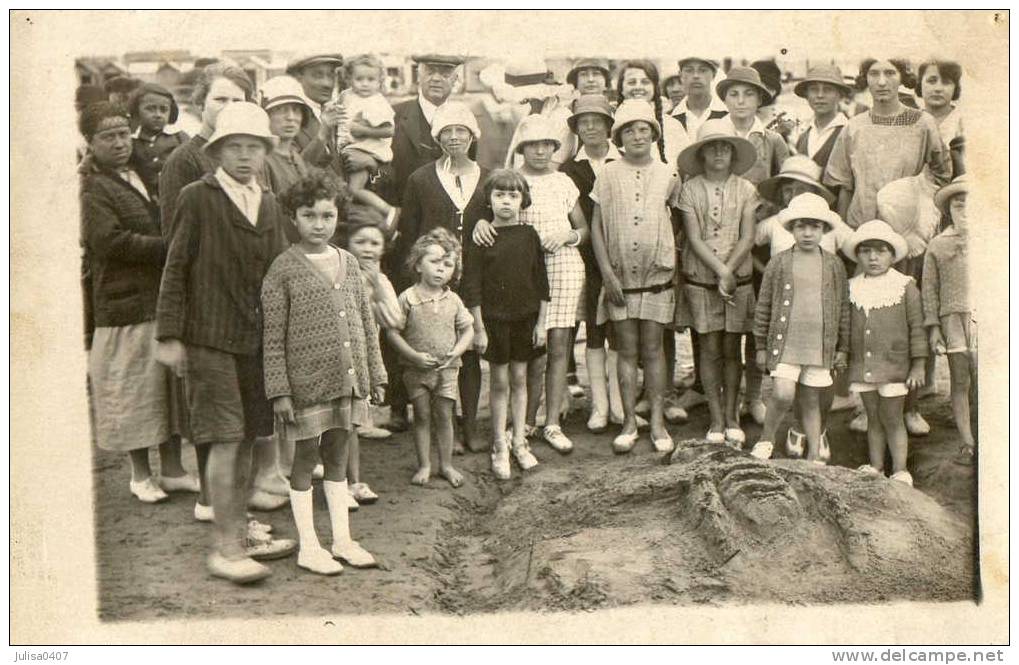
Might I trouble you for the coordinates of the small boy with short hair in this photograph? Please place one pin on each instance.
(801, 325)
(228, 230)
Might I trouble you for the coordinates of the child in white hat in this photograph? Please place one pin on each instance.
(208, 325)
(635, 248)
(947, 310)
(888, 345)
(802, 325)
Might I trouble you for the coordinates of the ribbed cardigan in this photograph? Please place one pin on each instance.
(884, 343)
(320, 340)
(774, 304)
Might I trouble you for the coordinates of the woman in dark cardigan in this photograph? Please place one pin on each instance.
(448, 192)
(123, 261)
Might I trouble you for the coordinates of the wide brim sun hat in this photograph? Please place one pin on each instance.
(809, 206)
(718, 129)
(280, 90)
(300, 63)
(455, 113)
(244, 118)
(829, 74)
(801, 169)
(597, 104)
(535, 128)
(959, 185)
(749, 76)
(876, 229)
(633, 110)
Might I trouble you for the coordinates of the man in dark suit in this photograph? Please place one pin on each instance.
(413, 147)
(317, 76)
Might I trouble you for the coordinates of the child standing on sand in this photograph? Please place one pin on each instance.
(506, 287)
(322, 362)
(437, 330)
(888, 345)
(802, 325)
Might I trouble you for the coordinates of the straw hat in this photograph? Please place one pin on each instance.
(527, 71)
(959, 185)
(710, 63)
(719, 129)
(242, 118)
(829, 74)
(809, 206)
(747, 75)
(588, 63)
(597, 104)
(801, 169)
(296, 66)
(534, 128)
(280, 90)
(455, 113)
(875, 229)
(632, 110)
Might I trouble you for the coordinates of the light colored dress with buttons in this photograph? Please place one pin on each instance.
(637, 225)
(718, 209)
(553, 196)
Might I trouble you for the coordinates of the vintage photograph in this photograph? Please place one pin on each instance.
(435, 327)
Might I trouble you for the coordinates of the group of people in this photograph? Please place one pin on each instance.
(260, 288)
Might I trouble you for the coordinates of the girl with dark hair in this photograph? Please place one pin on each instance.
(938, 84)
(638, 79)
(153, 109)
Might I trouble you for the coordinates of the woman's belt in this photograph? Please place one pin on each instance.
(657, 288)
(741, 281)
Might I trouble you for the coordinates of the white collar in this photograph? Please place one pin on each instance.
(870, 293)
(137, 133)
(840, 120)
(427, 108)
(715, 104)
(612, 154)
(756, 128)
(230, 182)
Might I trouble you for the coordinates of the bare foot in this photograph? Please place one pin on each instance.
(454, 477)
(422, 476)
(458, 448)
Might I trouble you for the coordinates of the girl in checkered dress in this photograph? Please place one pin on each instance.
(556, 215)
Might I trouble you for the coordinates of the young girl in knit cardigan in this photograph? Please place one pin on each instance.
(322, 362)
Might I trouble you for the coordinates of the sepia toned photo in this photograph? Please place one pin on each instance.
(509, 327)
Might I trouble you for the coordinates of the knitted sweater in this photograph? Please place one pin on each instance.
(945, 277)
(320, 340)
(886, 328)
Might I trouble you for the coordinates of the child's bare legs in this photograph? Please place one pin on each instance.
(357, 181)
(267, 473)
(783, 395)
(202, 457)
(442, 418)
(890, 410)
(423, 437)
(353, 458)
(733, 369)
(306, 457)
(286, 455)
(229, 470)
(470, 394)
(752, 373)
(653, 355)
(498, 399)
(169, 458)
(535, 387)
(711, 376)
(518, 400)
(555, 372)
(876, 441)
(960, 369)
(810, 412)
(628, 337)
(335, 454)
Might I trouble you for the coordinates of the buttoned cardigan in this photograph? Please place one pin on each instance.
(774, 304)
(885, 340)
(320, 340)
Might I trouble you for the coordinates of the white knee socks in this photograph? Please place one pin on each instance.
(337, 498)
(301, 504)
(596, 375)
